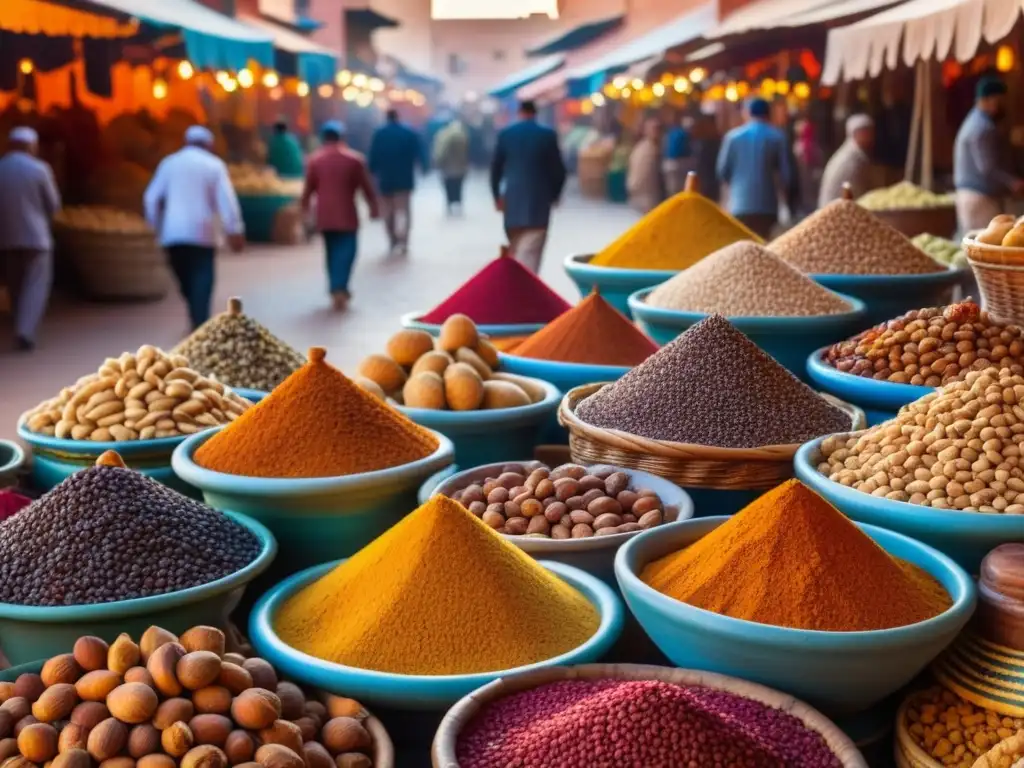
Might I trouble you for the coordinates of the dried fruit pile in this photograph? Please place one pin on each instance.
(168, 701)
(1003, 230)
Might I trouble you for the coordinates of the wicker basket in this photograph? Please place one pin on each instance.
(383, 749)
(443, 754)
(905, 750)
(1000, 275)
(937, 220)
(694, 466)
(115, 267)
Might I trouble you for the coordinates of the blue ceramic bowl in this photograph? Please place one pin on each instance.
(837, 672)
(252, 395)
(614, 284)
(788, 339)
(887, 296)
(12, 458)
(29, 632)
(412, 320)
(881, 400)
(420, 692)
(966, 537)
(483, 437)
(314, 519)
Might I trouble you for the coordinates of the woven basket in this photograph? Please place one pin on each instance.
(1000, 275)
(694, 466)
(115, 267)
(443, 750)
(905, 750)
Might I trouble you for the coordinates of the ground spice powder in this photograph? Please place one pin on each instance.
(317, 423)
(790, 559)
(592, 332)
(440, 593)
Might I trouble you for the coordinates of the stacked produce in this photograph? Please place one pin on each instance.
(126, 535)
(168, 701)
(237, 350)
(567, 502)
(317, 423)
(249, 179)
(904, 195)
(390, 607)
(150, 394)
(593, 333)
(1003, 230)
(713, 386)
(746, 280)
(99, 218)
(958, 448)
(931, 347)
(844, 238)
(790, 559)
(944, 251)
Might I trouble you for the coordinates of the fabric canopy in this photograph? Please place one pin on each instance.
(35, 17)
(316, 64)
(514, 82)
(764, 14)
(576, 37)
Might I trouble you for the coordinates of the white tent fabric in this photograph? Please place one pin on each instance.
(764, 14)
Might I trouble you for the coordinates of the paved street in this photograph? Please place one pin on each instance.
(285, 288)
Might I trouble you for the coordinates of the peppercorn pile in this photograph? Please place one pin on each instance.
(107, 534)
(237, 350)
(612, 723)
(931, 347)
(746, 280)
(958, 448)
(713, 386)
(567, 502)
(171, 701)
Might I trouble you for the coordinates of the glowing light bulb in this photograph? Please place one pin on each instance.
(626, 92)
(376, 84)
(732, 92)
(620, 82)
(364, 99)
(230, 85)
(802, 91)
(26, 67)
(359, 80)
(350, 93)
(1005, 58)
(637, 84)
(159, 89)
(658, 89)
(271, 79)
(185, 70)
(782, 87)
(302, 89)
(246, 78)
(681, 85)
(343, 78)
(325, 91)
(697, 74)
(597, 99)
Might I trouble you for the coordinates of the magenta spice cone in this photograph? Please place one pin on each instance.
(614, 723)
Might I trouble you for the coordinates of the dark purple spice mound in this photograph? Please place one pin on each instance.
(713, 386)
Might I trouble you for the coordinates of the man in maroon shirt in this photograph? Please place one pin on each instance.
(336, 174)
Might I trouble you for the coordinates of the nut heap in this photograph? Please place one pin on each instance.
(958, 448)
(931, 347)
(456, 373)
(567, 502)
(147, 395)
(237, 350)
(1003, 230)
(168, 701)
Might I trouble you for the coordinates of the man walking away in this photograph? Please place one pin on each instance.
(979, 168)
(451, 157)
(851, 164)
(755, 164)
(527, 177)
(284, 153)
(28, 201)
(335, 175)
(395, 151)
(188, 202)
(643, 175)
(678, 160)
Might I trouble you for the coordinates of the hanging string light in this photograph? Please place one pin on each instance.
(802, 90)
(681, 85)
(343, 78)
(376, 84)
(230, 85)
(658, 89)
(697, 74)
(185, 70)
(271, 79)
(302, 89)
(159, 89)
(26, 67)
(325, 91)
(246, 78)
(359, 80)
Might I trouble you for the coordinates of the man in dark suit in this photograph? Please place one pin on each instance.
(527, 177)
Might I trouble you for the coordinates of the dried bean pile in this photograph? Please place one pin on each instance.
(613, 723)
(746, 280)
(931, 347)
(844, 238)
(958, 448)
(713, 386)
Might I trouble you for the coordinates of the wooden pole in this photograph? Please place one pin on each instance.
(927, 152)
(915, 124)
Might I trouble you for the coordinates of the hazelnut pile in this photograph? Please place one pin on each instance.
(568, 502)
(170, 701)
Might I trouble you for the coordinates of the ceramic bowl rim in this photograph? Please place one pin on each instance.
(616, 371)
(673, 317)
(412, 321)
(580, 263)
(89, 448)
(827, 376)
(17, 455)
(948, 275)
(552, 396)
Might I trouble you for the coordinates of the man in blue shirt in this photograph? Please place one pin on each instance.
(678, 159)
(395, 151)
(754, 163)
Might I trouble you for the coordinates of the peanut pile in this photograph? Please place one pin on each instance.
(150, 394)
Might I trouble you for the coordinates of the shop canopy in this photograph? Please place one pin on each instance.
(514, 82)
(315, 64)
(577, 37)
(36, 17)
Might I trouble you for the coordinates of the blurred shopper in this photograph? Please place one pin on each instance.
(808, 160)
(754, 163)
(335, 176)
(451, 158)
(706, 143)
(28, 201)
(188, 202)
(679, 159)
(284, 153)
(851, 164)
(395, 151)
(643, 177)
(979, 167)
(527, 178)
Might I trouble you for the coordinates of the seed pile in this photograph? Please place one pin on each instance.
(594, 333)
(237, 350)
(931, 347)
(612, 723)
(137, 397)
(168, 701)
(903, 195)
(107, 534)
(746, 280)
(958, 448)
(844, 238)
(567, 502)
(956, 732)
(713, 386)
(390, 606)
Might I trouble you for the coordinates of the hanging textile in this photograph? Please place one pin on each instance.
(35, 17)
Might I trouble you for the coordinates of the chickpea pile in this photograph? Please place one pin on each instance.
(955, 732)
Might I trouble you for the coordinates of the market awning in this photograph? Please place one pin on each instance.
(577, 37)
(35, 17)
(514, 82)
(316, 64)
(844, 9)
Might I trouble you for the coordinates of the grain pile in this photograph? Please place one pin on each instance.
(746, 280)
(235, 349)
(844, 238)
(958, 448)
(713, 386)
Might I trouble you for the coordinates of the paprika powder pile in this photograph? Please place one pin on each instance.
(791, 559)
(317, 423)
